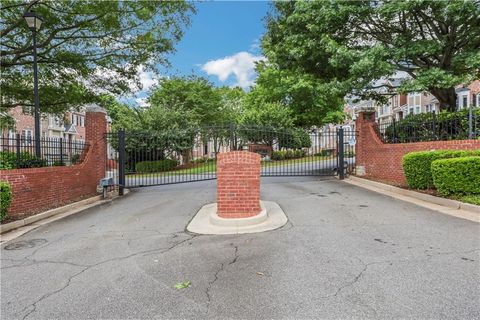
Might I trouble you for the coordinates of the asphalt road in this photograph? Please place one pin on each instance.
(346, 253)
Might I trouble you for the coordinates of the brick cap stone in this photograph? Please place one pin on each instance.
(94, 108)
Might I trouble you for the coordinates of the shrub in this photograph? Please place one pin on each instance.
(418, 127)
(155, 166)
(288, 154)
(75, 158)
(457, 175)
(5, 199)
(8, 160)
(278, 155)
(417, 165)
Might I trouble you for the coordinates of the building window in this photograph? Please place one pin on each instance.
(410, 110)
(11, 137)
(474, 100)
(27, 135)
(82, 121)
(465, 101)
(417, 109)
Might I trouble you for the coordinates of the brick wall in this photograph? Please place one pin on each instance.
(238, 184)
(382, 161)
(39, 189)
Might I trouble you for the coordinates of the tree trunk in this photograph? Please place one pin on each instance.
(447, 98)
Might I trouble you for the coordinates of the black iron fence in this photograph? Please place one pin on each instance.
(19, 152)
(184, 155)
(431, 127)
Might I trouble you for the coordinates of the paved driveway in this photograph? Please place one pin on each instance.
(346, 253)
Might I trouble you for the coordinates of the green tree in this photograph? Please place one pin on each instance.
(84, 48)
(194, 109)
(191, 101)
(122, 115)
(347, 45)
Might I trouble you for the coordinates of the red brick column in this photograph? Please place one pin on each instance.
(238, 184)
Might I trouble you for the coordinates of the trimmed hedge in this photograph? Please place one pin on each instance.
(5, 199)
(8, 160)
(155, 166)
(457, 176)
(288, 154)
(417, 165)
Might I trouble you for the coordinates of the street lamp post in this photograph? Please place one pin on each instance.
(34, 22)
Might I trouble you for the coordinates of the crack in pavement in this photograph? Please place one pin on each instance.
(215, 276)
(366, 265)
(88, 267)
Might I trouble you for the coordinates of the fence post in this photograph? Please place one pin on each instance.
(341, 163)
(61, 151)
(470, 122)
(121, 162)
(232, 138)
(434, 125)
(17, 149)
(394, 130)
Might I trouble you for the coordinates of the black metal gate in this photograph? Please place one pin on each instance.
(137, 159)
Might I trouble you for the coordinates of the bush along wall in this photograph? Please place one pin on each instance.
(417, 165)
(288, 154)
(155, 166)
(457, 176)
(5, 199)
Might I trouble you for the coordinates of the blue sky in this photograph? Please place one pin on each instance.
(222, 44)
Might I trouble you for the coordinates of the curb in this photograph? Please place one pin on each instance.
(18, 227)
(448, 206)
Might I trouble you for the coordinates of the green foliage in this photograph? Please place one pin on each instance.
(418, 127)
(310, 102)
(155, 166)
(194, 101)
(123, 116)
(84, 48)
(325, 153)
(8, 160)
(457, 176)
(296, 138)
(417, 165)
(469, 198)
(5, 199)
(183, 285)
(288, 154)
(332, 48)
(75, 158)
(273, 119)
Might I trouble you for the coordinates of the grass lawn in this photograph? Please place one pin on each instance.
(471, 198)
(211, 167)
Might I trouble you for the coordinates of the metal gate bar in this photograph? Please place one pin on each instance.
(137, 159)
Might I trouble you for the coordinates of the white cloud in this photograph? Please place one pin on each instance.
(146, 78)
(142, 102)
(241, 65)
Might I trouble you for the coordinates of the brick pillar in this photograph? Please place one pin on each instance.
(364, 120)
(95, 129)
(238, 184)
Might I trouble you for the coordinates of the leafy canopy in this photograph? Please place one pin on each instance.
(344, 46)
(84, 48)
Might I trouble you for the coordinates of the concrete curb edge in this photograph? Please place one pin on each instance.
(448, 206)
(45, 217)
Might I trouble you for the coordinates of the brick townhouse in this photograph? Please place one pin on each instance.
(69, 126)
(400, 105)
